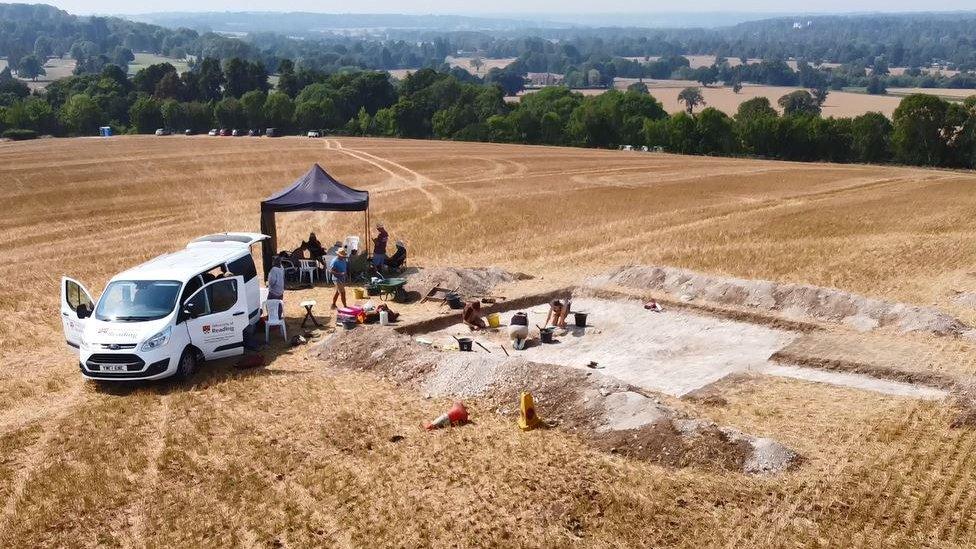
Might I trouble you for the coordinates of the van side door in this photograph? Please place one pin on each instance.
(216, 317)
(244, 267)
(76, 307)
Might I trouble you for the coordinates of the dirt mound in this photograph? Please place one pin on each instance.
(795, 301)
(469, 281)
(610, 414)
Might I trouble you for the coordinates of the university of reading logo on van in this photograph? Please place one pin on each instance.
(115, 332)
(223, 328)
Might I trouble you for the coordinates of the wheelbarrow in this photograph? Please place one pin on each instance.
(392, 288)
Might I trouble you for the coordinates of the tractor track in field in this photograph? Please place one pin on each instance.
(436, 206)
(414, 178)
(36, 455)
(758, 207)
(137, 513)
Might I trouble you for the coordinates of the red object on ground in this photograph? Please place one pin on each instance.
(457, 414)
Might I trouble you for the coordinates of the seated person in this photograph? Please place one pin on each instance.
(558, 311)
(395, 261)
(518, 330)
(471, 316)
(314, 247)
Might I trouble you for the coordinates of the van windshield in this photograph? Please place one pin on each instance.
(137, 300)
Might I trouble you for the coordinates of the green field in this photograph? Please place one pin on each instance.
(143, 60)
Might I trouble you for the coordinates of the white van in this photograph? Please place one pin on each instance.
(161, 318)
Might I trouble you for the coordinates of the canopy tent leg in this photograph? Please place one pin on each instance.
(366, 234)
(269, 246)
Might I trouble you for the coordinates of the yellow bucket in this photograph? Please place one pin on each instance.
(493, 320)
(359, 293)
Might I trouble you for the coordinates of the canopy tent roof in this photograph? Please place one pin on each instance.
(317, 191)
(314, 191)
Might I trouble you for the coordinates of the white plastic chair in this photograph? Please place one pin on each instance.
(275, 308)
(309, 267)
(352, 243)
(327, 260)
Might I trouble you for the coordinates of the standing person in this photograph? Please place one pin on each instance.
(379, 247)
(276, 280)
(339, 267)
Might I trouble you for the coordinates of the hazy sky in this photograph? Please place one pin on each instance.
(503, 6)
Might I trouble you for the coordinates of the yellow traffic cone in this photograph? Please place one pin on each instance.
(527, 419)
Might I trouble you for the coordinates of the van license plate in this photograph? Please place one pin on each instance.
(113, 367)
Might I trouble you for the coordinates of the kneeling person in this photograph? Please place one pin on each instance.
(471, 316)
(518, 330)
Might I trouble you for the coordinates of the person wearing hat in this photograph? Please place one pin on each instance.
(379, 247)
(339, 268)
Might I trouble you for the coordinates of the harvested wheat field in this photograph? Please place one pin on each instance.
(468, 64)
(838, 104)
(323, 447)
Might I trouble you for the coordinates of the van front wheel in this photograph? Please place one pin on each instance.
(187, 364)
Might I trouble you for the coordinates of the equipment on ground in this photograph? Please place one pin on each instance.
(455, 416)
(528, 419)
(437, 293)
(391, 288)
(464, 343)
(308, 304)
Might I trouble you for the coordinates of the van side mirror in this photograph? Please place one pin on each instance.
(189, 310)
(82, 311)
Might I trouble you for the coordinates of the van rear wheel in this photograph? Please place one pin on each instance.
(187, 364)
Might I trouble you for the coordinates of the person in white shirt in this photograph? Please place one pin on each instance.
(276, 280)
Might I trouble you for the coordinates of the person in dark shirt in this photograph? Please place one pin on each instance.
(314, 247)
(379, 247)
(518, 330)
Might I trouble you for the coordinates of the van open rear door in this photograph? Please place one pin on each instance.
(75, 299)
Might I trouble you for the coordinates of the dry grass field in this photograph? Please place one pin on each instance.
(143, 60)
(55, 68)
(839, 104)
(296, 455)
(949, 94)
(487, 64)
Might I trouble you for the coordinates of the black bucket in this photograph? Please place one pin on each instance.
(464, 344)
(454, 301)
(580, 320)
(545, 335)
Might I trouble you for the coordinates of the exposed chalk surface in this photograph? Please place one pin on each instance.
(857, 381)
(674, 352)
(793, 301)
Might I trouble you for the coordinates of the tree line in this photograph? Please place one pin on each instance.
(925, 130)
(586, 56)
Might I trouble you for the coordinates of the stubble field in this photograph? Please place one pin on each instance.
(296, 455)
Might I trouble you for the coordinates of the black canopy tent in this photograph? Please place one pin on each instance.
(314, 191)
